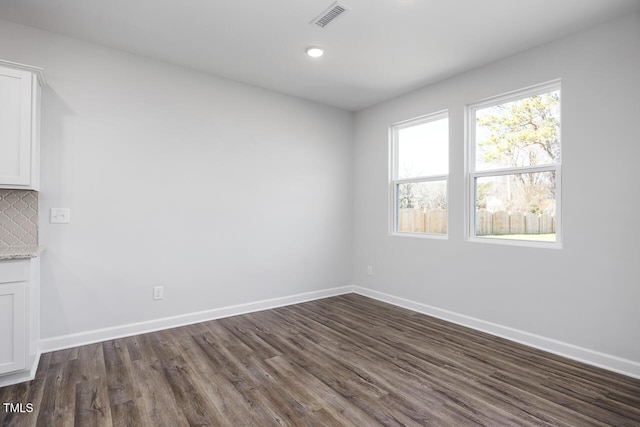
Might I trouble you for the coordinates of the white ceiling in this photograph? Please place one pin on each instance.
(377, 50)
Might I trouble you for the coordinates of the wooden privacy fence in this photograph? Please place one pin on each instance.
(487, 223)
(422, 221)
(501, 222)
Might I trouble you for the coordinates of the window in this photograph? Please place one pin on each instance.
(514, 167)
(419, 174)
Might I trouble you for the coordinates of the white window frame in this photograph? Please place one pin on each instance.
(394, 181)
(472, 174)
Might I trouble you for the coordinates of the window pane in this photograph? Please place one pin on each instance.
(525, 132)
(519, 206)
(423, 149)
(422, 207)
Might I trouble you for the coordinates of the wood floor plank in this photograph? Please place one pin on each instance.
(66, 355)
(232, 363)
(340, 361)
(337, 405)
(158, 407)
(58, 401)
(183, 383)
(133, 347)
(91, 364)
(245, 332)
(126, 414)
(92, 403)
(216, 388)
(120, 380)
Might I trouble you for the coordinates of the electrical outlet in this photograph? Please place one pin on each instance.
(158, 292)
(369, 270)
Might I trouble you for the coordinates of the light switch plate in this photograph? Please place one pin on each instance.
(60, 216)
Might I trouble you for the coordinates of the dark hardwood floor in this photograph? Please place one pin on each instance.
(346, 360)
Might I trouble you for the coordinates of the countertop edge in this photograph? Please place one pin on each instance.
(21, 252)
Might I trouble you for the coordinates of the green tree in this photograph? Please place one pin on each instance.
(521, 133)
(422, 195)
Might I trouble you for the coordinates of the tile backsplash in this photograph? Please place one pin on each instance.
(18, 218)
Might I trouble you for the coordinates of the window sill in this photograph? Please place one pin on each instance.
(513, 242)
(420, 235)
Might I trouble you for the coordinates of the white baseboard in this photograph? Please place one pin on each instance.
(21, 376)
(90, 337)
(585, 355)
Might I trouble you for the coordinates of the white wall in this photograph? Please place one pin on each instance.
(222, 192)
(587, 293)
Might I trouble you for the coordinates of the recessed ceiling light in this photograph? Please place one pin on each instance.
(315, 51)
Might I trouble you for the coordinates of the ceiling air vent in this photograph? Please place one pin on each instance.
(331, 13)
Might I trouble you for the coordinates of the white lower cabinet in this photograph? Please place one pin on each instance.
(19, 318)
(12, 327)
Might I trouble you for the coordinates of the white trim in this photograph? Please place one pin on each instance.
(420, 235)
(514, 95)
(21, 376)
(472, 174)
(393, 166)
(99, 335)
(591, 357)
(39, 72)
(430, 178)
(426, 118)
(394, 181)
(551, 167)
(497, 240)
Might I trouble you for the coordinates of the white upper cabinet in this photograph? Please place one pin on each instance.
(20, 91)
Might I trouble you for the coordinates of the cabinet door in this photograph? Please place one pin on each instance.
(15, 126)
(12, 327)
